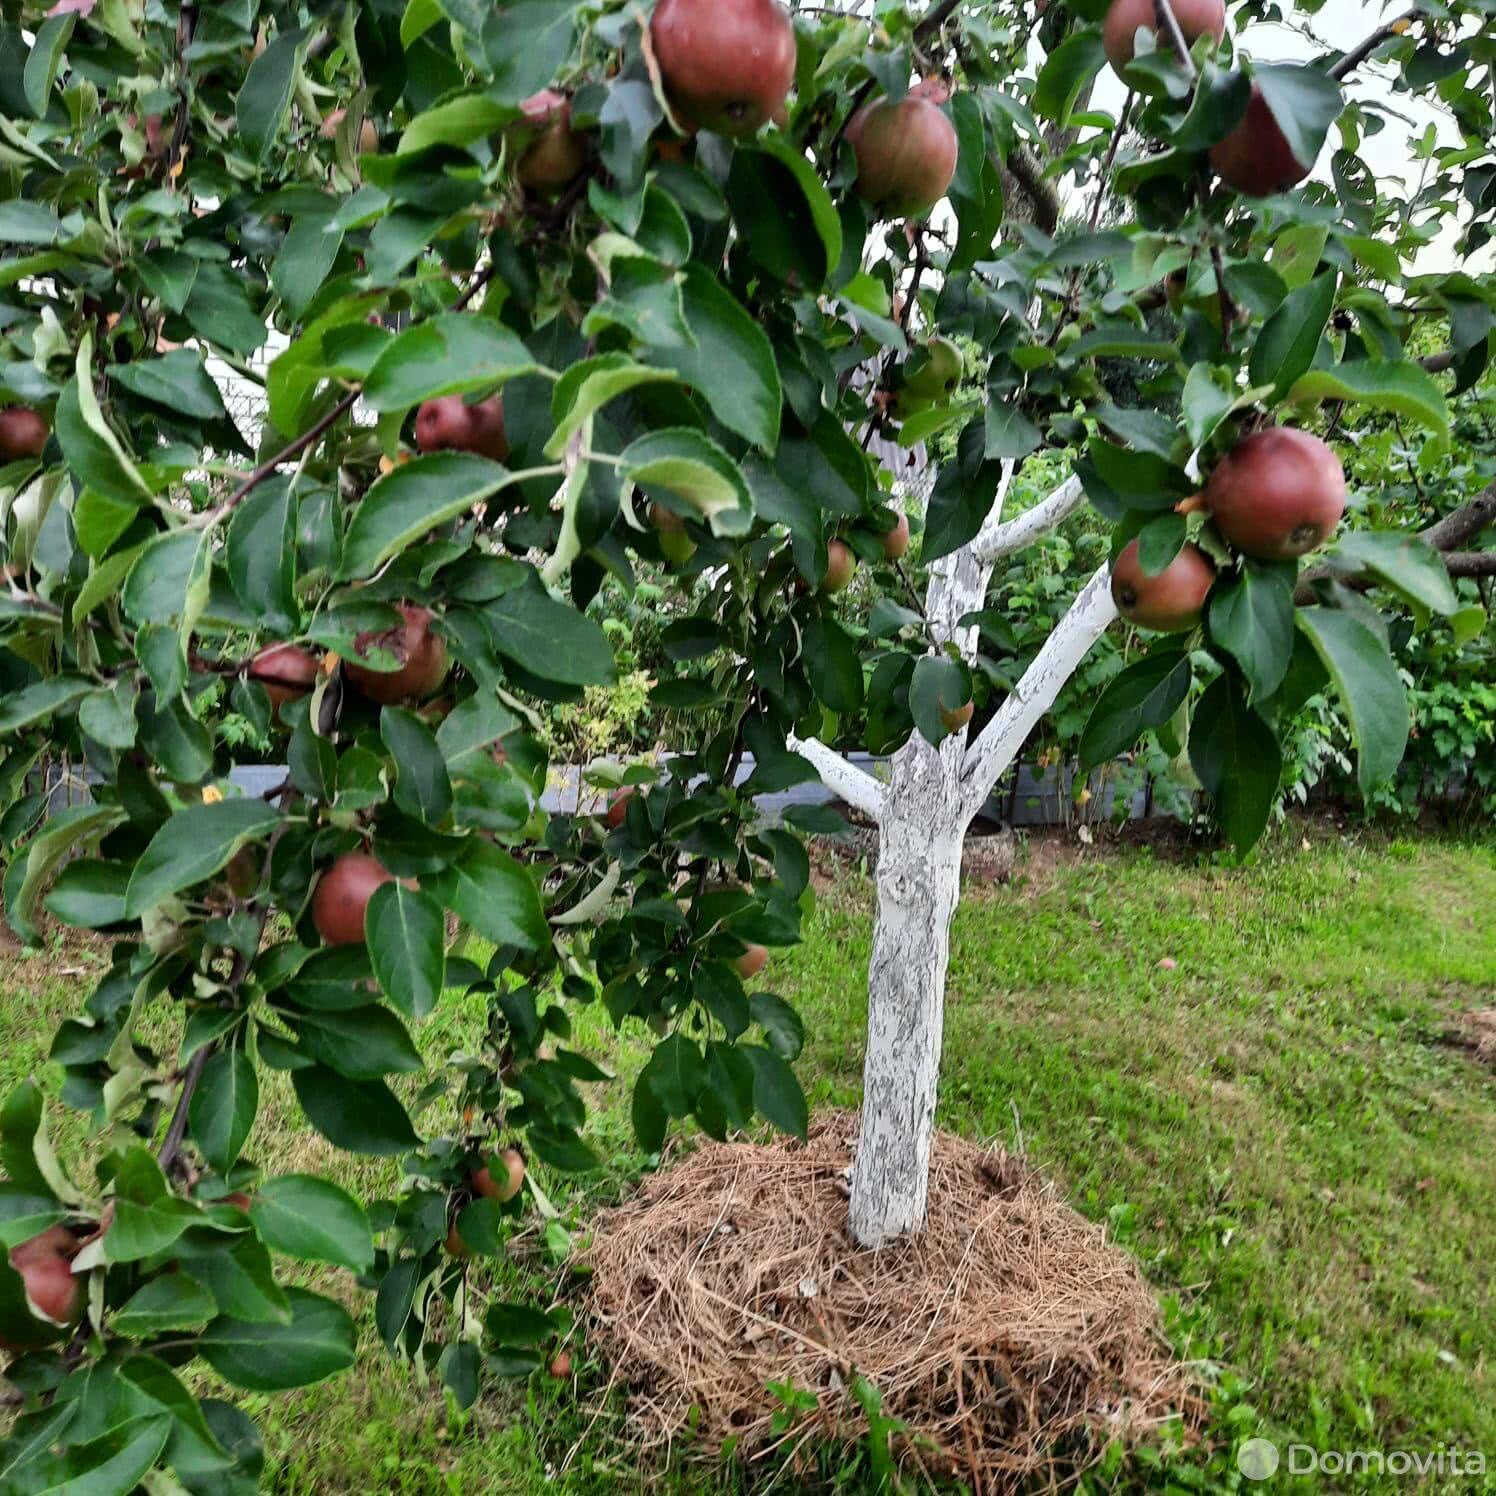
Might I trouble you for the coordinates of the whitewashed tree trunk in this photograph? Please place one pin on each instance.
(922, 815)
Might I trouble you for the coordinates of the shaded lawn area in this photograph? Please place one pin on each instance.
(1275, 1127)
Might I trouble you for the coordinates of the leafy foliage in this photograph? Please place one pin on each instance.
(686, 336)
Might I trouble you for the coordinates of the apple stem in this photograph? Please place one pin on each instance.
(1357, 55)
(1164, 12)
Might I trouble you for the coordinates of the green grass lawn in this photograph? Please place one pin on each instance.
(1275, 1127)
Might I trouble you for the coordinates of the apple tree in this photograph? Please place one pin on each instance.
(542, 294)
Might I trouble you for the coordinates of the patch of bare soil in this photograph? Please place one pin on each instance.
(1010, 1337)
(1476, 1031)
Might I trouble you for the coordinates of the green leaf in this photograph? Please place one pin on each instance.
(77, 827)
(42, 62)
(832, 665)
(1065, 74)
(108, 716)
(780, 1023)
(1009, 433)
(1251, 618)
(496, 895)
(1410, 567)
(422, 788)
(1401, 387)
(194, 844)
(1369, 687)
(457, 353)
(1160, 541)
(783, 212)
(732, 364)
(458, 121)
(36, 702)
(318, 1342)
(938, 684)
(411, 501)
(694, 468)
(223, 1107)
(362, 1043)
(676, 1073)
(170, 1302)
(1237, 759)
(1144, 695)
(549, 639)
(26, 222)
(148, 1218)
(313, 1220)
(587, 386)
(518, 1324)
(359, 1116)
(307, 255)
(1289, 340)
(165, 583)
(261, 555)
(776, 1092)
(469, 731)
(177, 381)
(404, 931)
(265, 98)
(1304, 101)
(89, 894)
(95, 456)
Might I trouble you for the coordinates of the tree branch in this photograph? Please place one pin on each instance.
(988, 758)
(1471, 563)
(1354, 58)
(997, 539)
(1023, 166)
(859, 789)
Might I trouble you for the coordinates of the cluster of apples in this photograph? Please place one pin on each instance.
(482, 1183)
(1274, 497)
(1255, 158)
(728, 65)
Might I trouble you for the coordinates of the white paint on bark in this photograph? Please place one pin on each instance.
(922, 817)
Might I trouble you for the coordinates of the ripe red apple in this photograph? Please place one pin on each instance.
(906, 155)
(556, 153)
(456, 1247)
(751, 962)
(287, 672)
(896, 540)
(1169, 603)
(237, 1197)
(23, 433)
(423, 657)
(840, 564)
(505, 1188)
(449, 424)
(726, 64)
(676, 544)
(936, 90)
(954, 718)
(44, 1263)
(243, 872)
(560, 1366)
(1255, 158)
(1277, 495)
(618, 806)
(343, 894)
(1127, 17)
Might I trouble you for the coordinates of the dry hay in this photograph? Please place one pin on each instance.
(1476, 1031)
(1010, 1336)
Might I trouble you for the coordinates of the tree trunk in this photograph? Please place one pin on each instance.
(919, 879)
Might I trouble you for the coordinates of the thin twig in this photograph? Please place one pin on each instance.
(1169, 22)
(171, 1145)
(1357, 55)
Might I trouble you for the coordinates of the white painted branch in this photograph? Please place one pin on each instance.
(1067, 645)
(998, 538)
(860, 790)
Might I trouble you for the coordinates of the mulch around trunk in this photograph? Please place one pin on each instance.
(1010, 1337)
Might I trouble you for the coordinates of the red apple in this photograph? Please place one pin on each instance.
(423, 657)
(23, 433)
(1277, 495)
(1169, 603)
(560, 1366)
(618, 806)
(954, 718)
(287, 672)
(556, 153)
(449, 424)
(44, 1263)
(840, 564)
(751, 962)
(1255, 158)
(896, 540)
(726, 64)
(1127, 17)
(342, 896)
(906, 155)
(505, 1188)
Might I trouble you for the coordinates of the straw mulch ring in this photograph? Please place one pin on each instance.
(1010, 1337)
